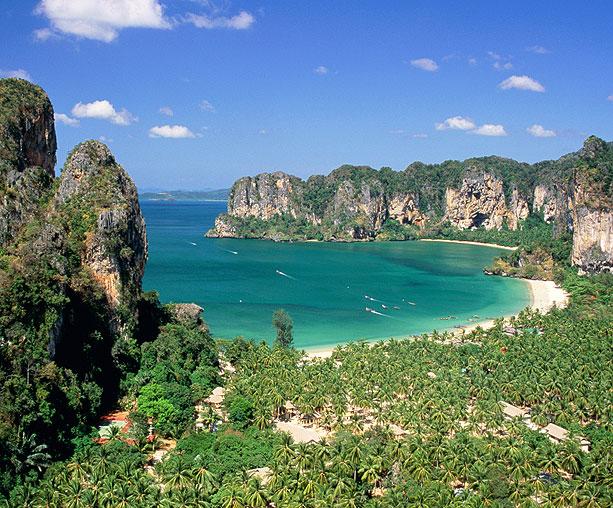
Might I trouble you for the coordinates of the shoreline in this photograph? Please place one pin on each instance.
(469, 242)
(544, 295)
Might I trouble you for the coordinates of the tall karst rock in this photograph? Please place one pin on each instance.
(95, 192)
(592, 207)
(27, 153)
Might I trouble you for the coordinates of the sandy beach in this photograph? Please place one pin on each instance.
(483, 244)
(544, 295)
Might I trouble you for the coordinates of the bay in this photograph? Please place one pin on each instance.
(323, 286)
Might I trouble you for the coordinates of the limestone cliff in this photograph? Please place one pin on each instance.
(264, 196)
(478, 202)
(360, 203)
(95, 189)
(592, 207)
(27, 153)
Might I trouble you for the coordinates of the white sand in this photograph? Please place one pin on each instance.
(299, 433)
(483, 244)
(544, 294)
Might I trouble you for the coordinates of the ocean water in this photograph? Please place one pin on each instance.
(323, 286)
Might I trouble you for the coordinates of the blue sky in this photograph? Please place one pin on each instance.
(193, 94)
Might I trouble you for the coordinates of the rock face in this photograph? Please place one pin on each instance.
(360, 203)
(94, 186)
(264, 196)
(358, 211)
(403, 209)
(479, 202)
(27, 153)
(592, 208)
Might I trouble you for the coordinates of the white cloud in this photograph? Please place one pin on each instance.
(500, 66)
(99, 19)
(241, 21)
(456, 122)
(610, 98)
(104, 139)
(262, 132)
(539, 50)
(66, 120)
(103, 110)
(522, 83)
(166, 110)
(44, 34)
(170, 131)
(490, 129)
(206, 106)
(321, 70)
(15, 73)
(419, 135)
(425, 64)
(501, 63)
(472, 61)
(538, 131)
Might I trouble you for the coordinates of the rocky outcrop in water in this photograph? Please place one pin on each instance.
(360, 203)
(27, 153)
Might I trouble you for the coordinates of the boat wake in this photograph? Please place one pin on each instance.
(373, 311)
(279, 272)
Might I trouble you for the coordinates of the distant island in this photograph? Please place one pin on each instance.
(182, 195)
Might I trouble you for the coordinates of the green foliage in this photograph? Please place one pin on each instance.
(284, 326)
(177, 369)
(240, 410)
(227, 451)
(167, 410)
(17, 96)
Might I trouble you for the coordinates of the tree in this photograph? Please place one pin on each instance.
(284, 325)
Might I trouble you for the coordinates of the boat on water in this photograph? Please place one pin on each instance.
(395, 307)
(411, 303)
(383, 306)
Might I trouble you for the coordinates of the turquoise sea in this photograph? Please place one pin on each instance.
(322, 285)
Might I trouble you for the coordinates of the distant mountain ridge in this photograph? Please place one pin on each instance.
(182, 195)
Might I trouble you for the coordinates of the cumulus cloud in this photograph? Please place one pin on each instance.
(539, 50)
(425, 64)
(99, 20)
(166, 110)
(103, 110)
(15, 73)
(321, 70)
(170, 131)
(490, 129)
(456, 122)
(538, 131)
(522, 83)
(66, 120)
(241, 21)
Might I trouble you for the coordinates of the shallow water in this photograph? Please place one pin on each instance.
(322, 285)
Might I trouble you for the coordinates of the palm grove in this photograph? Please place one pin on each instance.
(405, 423)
